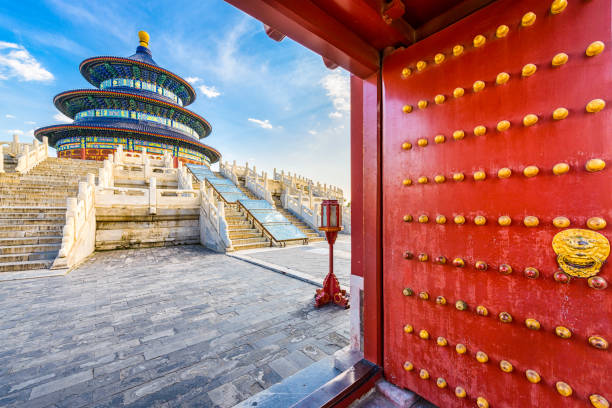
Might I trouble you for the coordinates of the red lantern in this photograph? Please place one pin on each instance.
(331, 223)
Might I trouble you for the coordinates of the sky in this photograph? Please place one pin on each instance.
(271, 104)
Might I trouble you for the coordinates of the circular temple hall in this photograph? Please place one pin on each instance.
(137, 105)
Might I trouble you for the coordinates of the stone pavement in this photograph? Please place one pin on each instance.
(311, 261)
(166, 327)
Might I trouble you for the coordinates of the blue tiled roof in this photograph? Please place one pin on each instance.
(143, 54)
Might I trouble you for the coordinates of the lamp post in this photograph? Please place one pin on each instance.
(331, 223)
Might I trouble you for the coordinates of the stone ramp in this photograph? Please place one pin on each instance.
(33, 211)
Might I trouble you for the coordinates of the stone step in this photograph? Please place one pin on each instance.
(25, 249)
(33, 215)
(25, 265)
(19, 203)
(32, 227)
(110, 245)
(30, 221)
(32, 209)
(243, 234)
(49, 239)
(30, 232)
(30, 256)
(247, 241)
(241, 247)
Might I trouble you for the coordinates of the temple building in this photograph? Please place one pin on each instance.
(137, 105)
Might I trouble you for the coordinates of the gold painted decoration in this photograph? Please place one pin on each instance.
(480, 220)
(439, 58)
(503, 125)
(458, 262)
(423, 257)
(531, 221)
(407, 182)
(408, 366)
(596, 223)
(458, 134)
(423, 180)
(408, 328)
(441, 383)
(505, 317)
(504, 220)
(460, 348)
(598, 342)
(595, 105)
(559, 59)
(563, 332)
(439, 139)
(580, 253)
(423, 295)
(506, 366)
(440, 300)
(595, 48)
(439, 178)
(560, 113)
(461, 305)
(505, 269)
(407, 218)
(406, 146)
(422, 104)
(531, 171)
(481, 265)
(458, 176)
(531, 273)
(561, 222)
(459, 219)
(481, 402)
(533, 376)
(482, 311)
(460, 392)
(440, 219)
(597, 282)
(504, 172)
(598, 401)
(422, 142)
(532, 324)
(502, 31)
(457, 50)
(424, 334)
(406, 72)
(421, 65)
(407, 109)
(478, 86)
(530, 119)
(480, 130)
(439, 99)
(408, 292)
(595, 165)
(458, 92)
(482, 357)
(528, 19)
(529, 70)
(558, 6)
(442, 342)
(424, 374)
(479, 40)
(480, 175)
(502, 78)
(561, 168)
(564, 388)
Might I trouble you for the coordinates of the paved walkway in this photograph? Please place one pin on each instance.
(158, 327)
(311, 262)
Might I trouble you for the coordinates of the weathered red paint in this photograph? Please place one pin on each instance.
(577, 195)
(357, 176)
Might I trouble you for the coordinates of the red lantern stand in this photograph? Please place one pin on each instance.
(331, 224)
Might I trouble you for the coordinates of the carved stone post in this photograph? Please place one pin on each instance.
(152, 195)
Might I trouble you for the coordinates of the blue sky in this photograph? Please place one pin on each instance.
(271, 104)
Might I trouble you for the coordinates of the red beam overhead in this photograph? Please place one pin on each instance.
(307, 24)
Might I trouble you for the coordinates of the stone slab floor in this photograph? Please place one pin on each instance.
(166, 327)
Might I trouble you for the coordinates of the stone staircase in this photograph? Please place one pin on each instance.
(33, 211)
(312, 235)
(241, 231)
(242, 186)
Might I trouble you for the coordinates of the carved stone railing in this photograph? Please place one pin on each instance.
(79, 233)
(260, 190)
(185, 181)
(30, 155)
(229, 172)
(214, 231)
(311, 216)
(154, 160)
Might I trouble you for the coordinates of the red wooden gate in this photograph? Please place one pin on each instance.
(482, 173)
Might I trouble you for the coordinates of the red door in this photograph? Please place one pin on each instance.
(495, 240)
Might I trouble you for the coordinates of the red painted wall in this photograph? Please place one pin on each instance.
(577, 195)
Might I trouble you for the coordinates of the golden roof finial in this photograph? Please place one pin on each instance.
(143, 37)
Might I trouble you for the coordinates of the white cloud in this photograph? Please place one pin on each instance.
(60, 117)
(335, 115)
(209, 91)
(263, 123)
(312, 132)
(30, 122)
(338, 89)
(192, 80)
(9, 116)
(16, 61)
(15, 131)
